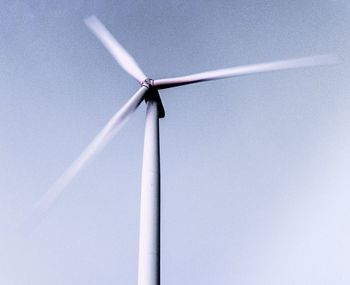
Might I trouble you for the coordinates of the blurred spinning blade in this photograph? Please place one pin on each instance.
(245, 70)
(98, 143)
(126, 61)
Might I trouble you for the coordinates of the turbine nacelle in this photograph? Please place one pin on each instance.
(153, 94)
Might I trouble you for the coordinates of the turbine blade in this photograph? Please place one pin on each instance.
(125, 60)
(246, 69)
(98, 143)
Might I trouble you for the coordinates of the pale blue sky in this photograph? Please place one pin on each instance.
(255, 184)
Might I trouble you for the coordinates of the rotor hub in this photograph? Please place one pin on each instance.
(148, 83)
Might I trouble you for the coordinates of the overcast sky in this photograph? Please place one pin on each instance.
(255, 170)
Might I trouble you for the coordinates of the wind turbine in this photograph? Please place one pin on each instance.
(149, 235)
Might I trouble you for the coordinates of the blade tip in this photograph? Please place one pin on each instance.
(328, 59)
(91, 20)
(29, 223)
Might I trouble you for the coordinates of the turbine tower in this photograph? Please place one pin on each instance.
(149, 235)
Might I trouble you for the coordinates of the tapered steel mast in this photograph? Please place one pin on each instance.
(149, 236)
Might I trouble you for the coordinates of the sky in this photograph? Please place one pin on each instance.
(255, 183)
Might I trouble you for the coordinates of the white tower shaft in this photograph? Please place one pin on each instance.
(149, 239)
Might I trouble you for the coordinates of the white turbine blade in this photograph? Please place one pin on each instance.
(100, 141)
(245, 70)
(125, 60)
